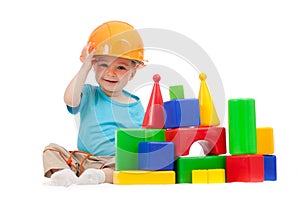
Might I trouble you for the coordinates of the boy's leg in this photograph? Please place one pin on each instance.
(97, 169)
(109, 168)
(60, 165)
(55, 158)
(109, 173)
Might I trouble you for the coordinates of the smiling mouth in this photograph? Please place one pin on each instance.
(110, 81)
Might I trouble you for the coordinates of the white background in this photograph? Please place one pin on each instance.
(254, 45)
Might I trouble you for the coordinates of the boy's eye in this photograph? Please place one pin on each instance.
(120, 67)
(101, 64)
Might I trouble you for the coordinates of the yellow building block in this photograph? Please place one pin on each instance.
(216, 175)
(131, 177)
(208, 113)
(199, 176)
(265, 140)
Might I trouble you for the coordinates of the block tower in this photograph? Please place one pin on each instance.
(251, 148)
(181, 141)
(200, 144)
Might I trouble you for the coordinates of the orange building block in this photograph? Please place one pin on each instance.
(265, 140)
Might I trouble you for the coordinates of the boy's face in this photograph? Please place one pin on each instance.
(112, 73)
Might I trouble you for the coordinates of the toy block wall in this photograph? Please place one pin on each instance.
(156, 155)
(127, 141)
(183, 138)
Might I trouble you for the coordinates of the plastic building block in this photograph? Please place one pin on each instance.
(270, 169)
(199, 176)
(127, 141)
(144, 177)
(216, 176)
(182, 113)
(154, 116)
(242, 126)
(184, 166)
(208, 176)
(183, 138)
(156, 156)
(245, 168)
(265, 140)
(176, 92)
(208, 114)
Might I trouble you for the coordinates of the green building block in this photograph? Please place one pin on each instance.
(242, 126)
(184, 166)
(127, 141)
(176, 92)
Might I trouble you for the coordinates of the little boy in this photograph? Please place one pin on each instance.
(114, 51)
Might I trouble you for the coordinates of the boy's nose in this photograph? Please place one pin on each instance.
(110, 70)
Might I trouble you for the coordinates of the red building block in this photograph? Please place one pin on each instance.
(154, 116)
(183, 138)
(245, 168)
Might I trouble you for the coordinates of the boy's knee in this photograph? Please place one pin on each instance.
(51, 146)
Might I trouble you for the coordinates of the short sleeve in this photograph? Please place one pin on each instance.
(86, 91)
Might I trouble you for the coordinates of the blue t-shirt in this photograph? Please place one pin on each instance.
(100, 116)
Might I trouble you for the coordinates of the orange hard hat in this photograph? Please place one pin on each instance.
(117, 38)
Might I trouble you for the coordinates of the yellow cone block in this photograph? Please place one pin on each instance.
(265, 140)
(208, 114)
(131, 177)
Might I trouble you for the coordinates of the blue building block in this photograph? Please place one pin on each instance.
(182, 113)
(270, 169)
(156, 156)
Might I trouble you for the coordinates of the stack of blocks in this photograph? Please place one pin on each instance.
(199, 169)
(158, 153)
(143, 156)
(251, 148)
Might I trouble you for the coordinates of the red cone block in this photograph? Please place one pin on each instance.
(154, 116)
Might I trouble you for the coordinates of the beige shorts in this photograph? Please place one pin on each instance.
(56, 157)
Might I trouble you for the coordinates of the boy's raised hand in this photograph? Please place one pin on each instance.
(85, 51)
(86, 56)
